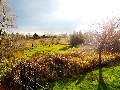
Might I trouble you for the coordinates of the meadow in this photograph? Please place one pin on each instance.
(60, 66)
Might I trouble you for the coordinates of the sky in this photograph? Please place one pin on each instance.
(61, 16)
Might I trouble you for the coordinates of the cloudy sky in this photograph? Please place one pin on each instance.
(61, 16)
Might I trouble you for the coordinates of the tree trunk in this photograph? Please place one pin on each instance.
(0, 48)
(99, 59)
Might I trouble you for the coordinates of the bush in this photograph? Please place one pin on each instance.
(76, 39)
(35, 36)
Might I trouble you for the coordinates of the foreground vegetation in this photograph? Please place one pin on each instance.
(30, 53)
(109, 80)
(53, 62)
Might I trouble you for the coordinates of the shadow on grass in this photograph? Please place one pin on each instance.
(67, 81)
(64, 82)
(81, 78)
(101, 83)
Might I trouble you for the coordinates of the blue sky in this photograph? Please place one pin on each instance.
(61, 16)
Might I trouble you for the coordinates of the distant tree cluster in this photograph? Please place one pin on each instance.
(35, 36)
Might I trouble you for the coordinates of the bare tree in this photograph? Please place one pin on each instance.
(7, 21)
(107, 38)
(108, 42)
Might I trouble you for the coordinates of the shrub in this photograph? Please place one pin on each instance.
(76, 38)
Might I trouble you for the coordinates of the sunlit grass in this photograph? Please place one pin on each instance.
(90, 80)
(47, 49)
(31, 53)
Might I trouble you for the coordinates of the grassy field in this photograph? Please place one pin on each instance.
(41, 47)
(31, 54)
(47, 49)
(106, 78)
(74, 61)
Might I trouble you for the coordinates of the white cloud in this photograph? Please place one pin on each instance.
(88, 9)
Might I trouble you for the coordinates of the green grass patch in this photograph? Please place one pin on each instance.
(100, 79)
(47, 49)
